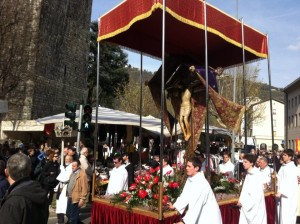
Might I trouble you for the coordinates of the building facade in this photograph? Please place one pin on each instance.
(292, 117)
(260, 128)
(44, 48)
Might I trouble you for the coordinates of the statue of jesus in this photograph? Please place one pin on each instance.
(185, 110)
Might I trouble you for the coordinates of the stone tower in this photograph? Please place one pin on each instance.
(45, 45)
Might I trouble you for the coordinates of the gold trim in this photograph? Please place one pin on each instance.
(181, 19)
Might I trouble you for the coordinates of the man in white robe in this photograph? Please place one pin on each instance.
(252, 200)
(226, 166)
(266, 172)
(63, 178)
(287, 192)
(118, 180)
(198, 196)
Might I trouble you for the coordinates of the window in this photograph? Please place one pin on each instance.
(292, 122)
(274, 111)
(274, 133)
(292, 102)
(289, 122)
(296, 101)
(289, 106)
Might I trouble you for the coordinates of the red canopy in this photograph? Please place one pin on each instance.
(137, 24)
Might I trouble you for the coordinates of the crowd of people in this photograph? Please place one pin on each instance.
(35, 178)
(31, 176)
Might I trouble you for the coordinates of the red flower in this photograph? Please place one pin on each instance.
(166, 197)
(169, 172)
(139, 177)
(142, 193)
(231, 180)
(132, 187)
(152, 170)
(157, 168)
(150, 186)
(137, 181)
(147, 177)
(156, 179)
(170, 185)
(155, 196)
(127, 198)
(123, 195)
(175, 184)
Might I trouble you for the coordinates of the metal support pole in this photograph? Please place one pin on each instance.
(162, 98)
(233, 134)
(270, 94)
(79, 129)
(62, 158)
(97, 102)
(141, 112)
(244, 84)
(206, 99)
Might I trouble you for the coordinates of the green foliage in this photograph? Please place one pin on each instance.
(221, 183)
(112, 72)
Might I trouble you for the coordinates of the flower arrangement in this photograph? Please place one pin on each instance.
(145, 190)
(222, 183)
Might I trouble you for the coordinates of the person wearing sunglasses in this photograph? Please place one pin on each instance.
(118, 179)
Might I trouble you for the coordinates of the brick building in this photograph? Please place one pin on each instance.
(44, 44)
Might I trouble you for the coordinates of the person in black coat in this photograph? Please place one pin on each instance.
(129, 167)
(25, 201)
(48, 175)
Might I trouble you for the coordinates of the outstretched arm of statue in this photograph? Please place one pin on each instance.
(185, 110)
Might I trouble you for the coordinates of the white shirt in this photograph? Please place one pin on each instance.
(252, 198)
(203, 207)
(118, 180)
(266, 175)
(168, 168)
(288, 187)
(227, 168)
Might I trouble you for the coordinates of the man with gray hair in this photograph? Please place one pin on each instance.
(25, 201)
(265, 171)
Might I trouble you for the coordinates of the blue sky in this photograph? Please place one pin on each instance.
(279, 19)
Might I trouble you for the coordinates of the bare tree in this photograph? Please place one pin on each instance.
(129, 100)
(253, 90)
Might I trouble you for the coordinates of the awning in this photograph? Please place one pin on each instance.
(137, 24)
(110, 116)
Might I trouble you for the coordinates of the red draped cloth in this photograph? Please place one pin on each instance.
(109, 214)
(231, 215)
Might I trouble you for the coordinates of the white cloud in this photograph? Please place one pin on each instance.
(296, 46)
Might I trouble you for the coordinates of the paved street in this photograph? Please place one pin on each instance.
(85, 215)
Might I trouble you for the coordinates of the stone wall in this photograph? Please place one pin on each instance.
(56, 43)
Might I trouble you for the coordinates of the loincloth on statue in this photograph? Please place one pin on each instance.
(185, 110)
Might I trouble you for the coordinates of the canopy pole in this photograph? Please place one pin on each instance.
(270, 94)
(162, 98)
(277, 216)
(206, 99)
(97, 102)
(244, 84)
(141, 110)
